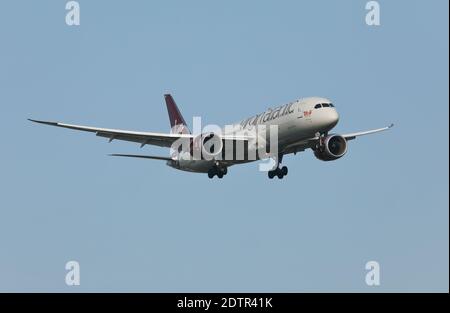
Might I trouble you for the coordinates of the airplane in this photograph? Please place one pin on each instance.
(301, 124)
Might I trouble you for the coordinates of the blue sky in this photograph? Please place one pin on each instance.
(137, 225)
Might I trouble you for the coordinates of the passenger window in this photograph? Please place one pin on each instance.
(325, 105)
(318, 106)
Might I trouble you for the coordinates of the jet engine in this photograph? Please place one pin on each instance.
(331, 148)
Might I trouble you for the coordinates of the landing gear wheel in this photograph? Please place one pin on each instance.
(220, 172)
(280, 174)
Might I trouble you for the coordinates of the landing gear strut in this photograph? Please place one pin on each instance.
(279, 172)
(220, 172)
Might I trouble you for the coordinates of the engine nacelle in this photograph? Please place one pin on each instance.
(331, 148)
(206, 146)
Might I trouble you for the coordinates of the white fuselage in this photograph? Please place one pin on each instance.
(296, 121)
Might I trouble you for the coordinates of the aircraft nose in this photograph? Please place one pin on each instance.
(333, 117)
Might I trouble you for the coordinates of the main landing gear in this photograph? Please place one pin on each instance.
(279, 172)
(220, 172)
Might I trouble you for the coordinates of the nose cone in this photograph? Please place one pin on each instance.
(333, 118)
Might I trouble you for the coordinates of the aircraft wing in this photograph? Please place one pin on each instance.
(144, 138)
(310, 143)
(368, 132)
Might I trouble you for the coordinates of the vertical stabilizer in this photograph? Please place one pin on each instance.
(177, 122)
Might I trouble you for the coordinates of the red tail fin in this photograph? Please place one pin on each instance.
(177, 121)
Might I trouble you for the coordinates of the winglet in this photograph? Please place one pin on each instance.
(43, 122)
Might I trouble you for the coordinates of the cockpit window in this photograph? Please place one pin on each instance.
(323, 105)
